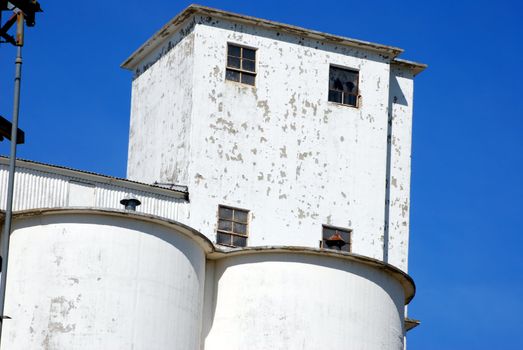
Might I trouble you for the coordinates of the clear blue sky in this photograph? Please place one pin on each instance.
(467, 192)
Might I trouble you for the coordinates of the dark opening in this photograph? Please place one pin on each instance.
(343, 86)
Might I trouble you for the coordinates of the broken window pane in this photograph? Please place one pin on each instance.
(343, 86)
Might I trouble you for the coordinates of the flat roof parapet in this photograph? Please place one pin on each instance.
(173, 25)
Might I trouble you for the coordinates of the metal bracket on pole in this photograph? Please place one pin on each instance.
(24, 10)
(6, 130)
(3, 30)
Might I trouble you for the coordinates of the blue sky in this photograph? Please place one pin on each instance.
(467, 192)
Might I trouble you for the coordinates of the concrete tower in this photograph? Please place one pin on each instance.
(302, 130)
(272, 164)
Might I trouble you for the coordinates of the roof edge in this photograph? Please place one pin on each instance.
(154, 41)
(187, 231)
(404, 278)
(411, 323)
(416, 67)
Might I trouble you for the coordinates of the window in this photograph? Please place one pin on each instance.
(336, 238)
(343, 86)
(232, 226)
(241, 64)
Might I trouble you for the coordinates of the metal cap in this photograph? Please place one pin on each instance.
(130, 202)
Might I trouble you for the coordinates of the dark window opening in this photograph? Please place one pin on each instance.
(343, 86)
(232, 226)
(336, 238)
(241, 64)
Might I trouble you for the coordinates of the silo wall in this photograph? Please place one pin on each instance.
(293, 300)
(88, 280)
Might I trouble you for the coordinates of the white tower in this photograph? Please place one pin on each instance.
(306, 132)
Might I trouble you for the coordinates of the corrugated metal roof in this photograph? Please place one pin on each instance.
(172, 189)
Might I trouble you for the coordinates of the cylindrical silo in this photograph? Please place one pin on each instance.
(297, 299)
(93, 279)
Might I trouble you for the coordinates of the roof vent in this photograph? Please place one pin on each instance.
(335, 241)
(130, 202)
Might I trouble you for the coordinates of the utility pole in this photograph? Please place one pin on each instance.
(23, 13)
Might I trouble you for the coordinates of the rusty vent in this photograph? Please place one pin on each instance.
(336, 238)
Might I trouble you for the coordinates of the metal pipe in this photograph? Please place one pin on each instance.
(10, 186)
(386, 227)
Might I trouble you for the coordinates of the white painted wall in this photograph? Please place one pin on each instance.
(279, 149)
(88, 281)
(401, 103)
(161, 110)
(304, 302)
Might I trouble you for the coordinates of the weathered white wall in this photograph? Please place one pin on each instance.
(161, 110)
(304, 302)
(86, 281)
(401, 99)
(279, 149)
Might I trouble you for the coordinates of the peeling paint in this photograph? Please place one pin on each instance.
(295, 147)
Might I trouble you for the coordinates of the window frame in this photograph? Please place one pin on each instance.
(232, 233)
(336, 229)
(358, 91)
(254, 73)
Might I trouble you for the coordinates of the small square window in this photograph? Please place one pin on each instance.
(241, 64)
(336, 238)
(233, 225)
(343, 86)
